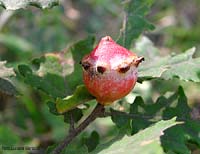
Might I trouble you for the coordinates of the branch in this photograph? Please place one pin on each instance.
(97, 112)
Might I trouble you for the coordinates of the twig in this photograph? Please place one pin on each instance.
(97, 112)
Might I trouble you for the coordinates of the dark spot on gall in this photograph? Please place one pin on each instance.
(101, 69)
(124, 69)
(86, 65)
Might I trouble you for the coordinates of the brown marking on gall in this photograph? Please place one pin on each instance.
(85, 65)
(124, 69)
(92, 73)
(101, 69)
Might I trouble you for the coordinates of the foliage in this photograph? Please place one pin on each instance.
(6, 86)
(182, 66)
(7, 133)
(134, 21)
(146, 141)
(43, 95)
(5, 72)
(164, 108)
(79, 96)
(17, 4)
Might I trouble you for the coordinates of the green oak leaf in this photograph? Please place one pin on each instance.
(52, 84)
(50, 63)
(52, 107)
(66, 63)
(18, 4)
(75, 113)
(80, 96)
(74, 148)
(182, 66)
(92, 141)
(177, 138)
(134, 21)
(58, 75)
(146, 141)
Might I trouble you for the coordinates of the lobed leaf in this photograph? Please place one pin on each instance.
(145, 142)
(66, 63)
(177, 138)
(51, 84)
(50, 63)
(59, 74)
(18, 4)
(182, 66)
(134, 21)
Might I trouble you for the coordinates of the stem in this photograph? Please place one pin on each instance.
(97, 112)
(125, 28)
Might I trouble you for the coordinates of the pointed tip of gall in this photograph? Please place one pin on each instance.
(107, 38)
(138, 60)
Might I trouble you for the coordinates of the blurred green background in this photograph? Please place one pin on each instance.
(26, 34)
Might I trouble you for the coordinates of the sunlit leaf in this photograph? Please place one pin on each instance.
(5, 71)
(50, 63)
(18, 4)
(146, 141)
(182, 66)
(6, 86)
(66, 63)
